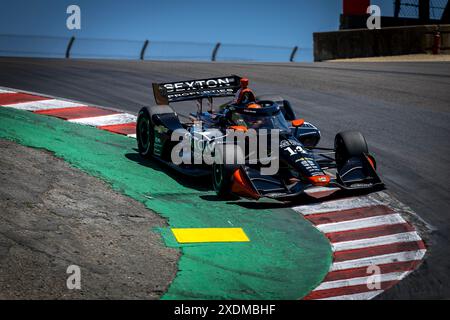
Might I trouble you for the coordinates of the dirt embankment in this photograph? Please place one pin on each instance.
(53, 216)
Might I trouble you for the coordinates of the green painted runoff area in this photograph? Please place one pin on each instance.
(285, 259)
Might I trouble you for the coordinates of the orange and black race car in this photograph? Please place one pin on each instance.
(302, 167)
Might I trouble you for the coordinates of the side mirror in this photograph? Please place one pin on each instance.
(298, 123)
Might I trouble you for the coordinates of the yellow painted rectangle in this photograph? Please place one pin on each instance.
(196, 235)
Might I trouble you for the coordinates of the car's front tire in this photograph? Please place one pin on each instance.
(349, 144)
(228, 159)
(223, 179)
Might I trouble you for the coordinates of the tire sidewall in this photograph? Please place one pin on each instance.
(144, 119)
(349, 144)
(222, 172)
(289, 113)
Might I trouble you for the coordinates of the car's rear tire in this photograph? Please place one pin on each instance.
(349, 144)
(145, 132)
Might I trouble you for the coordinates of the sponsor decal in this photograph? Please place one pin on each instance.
(211, 147)
(157, 148)
(161, 129)
(361, 185)
(198, 85)
(205, 93)
(192, 89)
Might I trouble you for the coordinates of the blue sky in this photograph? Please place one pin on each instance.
(280, 23)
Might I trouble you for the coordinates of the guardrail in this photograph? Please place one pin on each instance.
(74, 47)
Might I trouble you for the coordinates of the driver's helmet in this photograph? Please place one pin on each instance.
(246, 96)
(244, 83)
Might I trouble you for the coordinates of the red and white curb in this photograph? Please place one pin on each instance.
(72, 111)
(373, 246)
(367, 234)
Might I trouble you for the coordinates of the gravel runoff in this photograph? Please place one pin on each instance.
(53, 216)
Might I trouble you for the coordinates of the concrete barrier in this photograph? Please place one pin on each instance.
(382, 42)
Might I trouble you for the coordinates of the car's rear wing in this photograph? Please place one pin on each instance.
(195, 89)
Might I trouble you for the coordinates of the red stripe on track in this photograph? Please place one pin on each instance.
(320, 294)
(126, 128)
(377, 250)
(350, 214)
(366, 233)
(362, 271)
(11, 98)
(76, 112)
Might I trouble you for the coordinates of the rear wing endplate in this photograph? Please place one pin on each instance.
(195, 89)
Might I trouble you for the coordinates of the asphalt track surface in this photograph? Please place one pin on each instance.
(402, 109)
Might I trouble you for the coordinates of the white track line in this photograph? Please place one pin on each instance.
(337, 205)
(363, 203)
(6, 91)
(378, 241)
(320, 189)
(111, 119)
(363, 280)
(377, 260)
(44, 105)
(132, 135)
(315, 190)
(357, 296)
(361, 223)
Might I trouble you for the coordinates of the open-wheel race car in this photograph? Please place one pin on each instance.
(303, 167)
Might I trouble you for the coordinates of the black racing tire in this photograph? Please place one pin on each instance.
(285, 105)
(289, 113)
(222, 180)
(145, 133)
(348, 144)
(222, 171)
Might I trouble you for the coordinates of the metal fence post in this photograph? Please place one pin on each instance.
(69, 47)
(144, 47)
(293, 53)
(214, 53)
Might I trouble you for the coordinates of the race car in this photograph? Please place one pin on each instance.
(303, 166)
